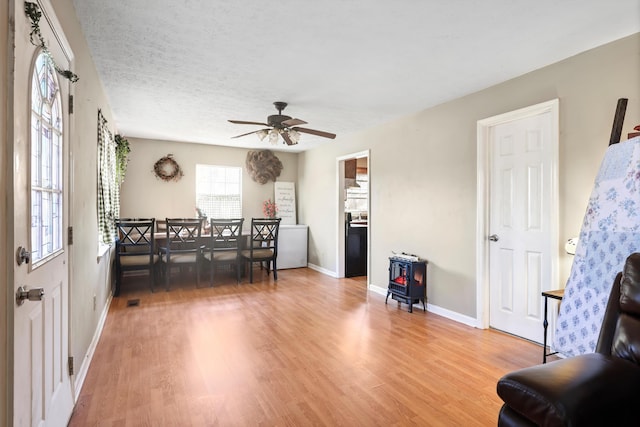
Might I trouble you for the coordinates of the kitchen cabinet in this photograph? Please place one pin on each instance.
(356, 250)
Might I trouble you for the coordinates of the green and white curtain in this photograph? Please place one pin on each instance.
(108, 190)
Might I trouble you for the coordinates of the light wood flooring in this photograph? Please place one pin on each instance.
(305, 350)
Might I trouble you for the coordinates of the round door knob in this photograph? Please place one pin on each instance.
(22, 294)
(494, 238)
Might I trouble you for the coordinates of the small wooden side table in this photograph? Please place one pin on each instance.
(555, 294)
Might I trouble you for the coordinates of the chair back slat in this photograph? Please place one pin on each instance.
(183, 233)
(264, 232)
(138, 232)
(226, 233)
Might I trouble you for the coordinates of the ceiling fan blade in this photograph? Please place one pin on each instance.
(316, 132)
(249, 133)
(293, 122)
(287, 139)
(242, 122)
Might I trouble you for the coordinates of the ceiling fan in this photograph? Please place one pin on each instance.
(281, 125)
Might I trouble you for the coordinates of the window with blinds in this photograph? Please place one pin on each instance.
(219, 191)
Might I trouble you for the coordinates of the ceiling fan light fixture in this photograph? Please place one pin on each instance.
(294, 135)
(262, 134)
(273, 136)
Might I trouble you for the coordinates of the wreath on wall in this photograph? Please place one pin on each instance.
(167, 169)
(263, 166)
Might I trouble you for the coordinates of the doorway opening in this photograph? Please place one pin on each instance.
(353, 222)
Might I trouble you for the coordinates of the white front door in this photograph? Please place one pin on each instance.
(521, 229)
(42, 394)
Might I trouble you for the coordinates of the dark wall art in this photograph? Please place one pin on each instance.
(263, 166)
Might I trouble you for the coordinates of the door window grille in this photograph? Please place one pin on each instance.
(46, 161)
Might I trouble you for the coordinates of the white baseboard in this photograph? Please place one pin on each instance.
(453, 315)
(457, 317)
(460, 318)
(322, 270)
(377, 289)
(81, 374)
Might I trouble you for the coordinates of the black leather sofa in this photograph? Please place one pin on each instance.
(596, 389)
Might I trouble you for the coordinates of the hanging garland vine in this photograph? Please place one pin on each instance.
(122, 157)
(167, 169)
(33, 12)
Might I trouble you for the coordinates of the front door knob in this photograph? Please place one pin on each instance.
(494, 238)
(23, 293)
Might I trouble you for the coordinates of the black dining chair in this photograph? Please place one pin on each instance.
(182, 247)
(263, 245)
(224, 244)
(135, 249)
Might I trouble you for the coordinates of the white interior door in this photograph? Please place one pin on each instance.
(520, 223)
(42, 392)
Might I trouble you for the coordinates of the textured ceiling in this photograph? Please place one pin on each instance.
(178, 69)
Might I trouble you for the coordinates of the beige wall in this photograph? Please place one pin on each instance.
(144, 195)
(89, 275)
(423, 169)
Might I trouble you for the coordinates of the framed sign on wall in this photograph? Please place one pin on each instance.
(285, 198)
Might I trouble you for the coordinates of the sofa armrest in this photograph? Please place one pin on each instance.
(510, 418)
(591, 389)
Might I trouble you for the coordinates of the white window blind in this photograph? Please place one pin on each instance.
(219, 191)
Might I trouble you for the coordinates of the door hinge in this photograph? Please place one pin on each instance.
(70, 235)
(70, 362)
(70, 104)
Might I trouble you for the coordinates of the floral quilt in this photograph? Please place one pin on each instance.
(610, 233)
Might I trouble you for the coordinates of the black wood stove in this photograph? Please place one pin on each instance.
(407, 280)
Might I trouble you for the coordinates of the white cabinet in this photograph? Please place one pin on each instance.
(292, 246)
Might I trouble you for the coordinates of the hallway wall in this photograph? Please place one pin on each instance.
(423, 169)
